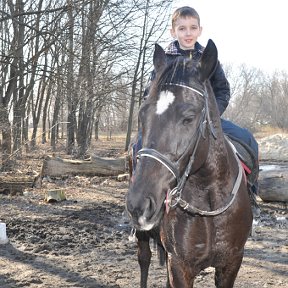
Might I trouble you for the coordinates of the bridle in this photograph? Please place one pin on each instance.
(174, 196)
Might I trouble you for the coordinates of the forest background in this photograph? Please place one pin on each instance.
(72, 69)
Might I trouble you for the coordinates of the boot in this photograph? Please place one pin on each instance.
(253, 191)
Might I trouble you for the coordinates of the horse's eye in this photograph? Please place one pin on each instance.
(187, 121)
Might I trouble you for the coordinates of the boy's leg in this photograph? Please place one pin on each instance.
(243, 134)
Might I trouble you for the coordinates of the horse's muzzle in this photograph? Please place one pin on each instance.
(143, 213)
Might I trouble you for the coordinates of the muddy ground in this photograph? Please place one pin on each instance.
(83, 241)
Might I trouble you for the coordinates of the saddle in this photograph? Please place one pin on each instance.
(249, 161)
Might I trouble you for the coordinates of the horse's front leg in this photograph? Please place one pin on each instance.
(144, 256)
(225, 276)
(179, 274)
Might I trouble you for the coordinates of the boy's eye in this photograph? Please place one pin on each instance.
(192, 28)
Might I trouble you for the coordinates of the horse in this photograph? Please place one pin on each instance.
(188, 180)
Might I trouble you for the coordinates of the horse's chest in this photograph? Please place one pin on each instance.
(187, 237)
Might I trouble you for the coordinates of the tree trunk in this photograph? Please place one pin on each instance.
(7, 139)
(56, 112)
(45, 117)
(71, 119)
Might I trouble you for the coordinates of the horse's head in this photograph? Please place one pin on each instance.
(173, 119)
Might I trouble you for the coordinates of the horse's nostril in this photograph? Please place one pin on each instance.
(148, 204)
(149, 208)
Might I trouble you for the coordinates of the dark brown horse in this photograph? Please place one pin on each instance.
(188, 180)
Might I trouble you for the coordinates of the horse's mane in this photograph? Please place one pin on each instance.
(178, 70)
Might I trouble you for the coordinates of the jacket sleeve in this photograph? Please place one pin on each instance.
(221, 88)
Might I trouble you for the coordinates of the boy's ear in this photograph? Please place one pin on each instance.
(200, 29)
(172, 33)
(159, 58)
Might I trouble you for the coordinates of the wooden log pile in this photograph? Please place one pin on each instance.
(15, 184)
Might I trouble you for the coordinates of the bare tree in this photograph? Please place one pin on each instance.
(150, 26)
(275, 100)
(246, 93)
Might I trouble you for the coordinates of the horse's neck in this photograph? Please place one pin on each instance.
(214, 181)
(219, 162)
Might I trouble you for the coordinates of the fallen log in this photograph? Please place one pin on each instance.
(96, 166)
(15, 184)
(273, 183)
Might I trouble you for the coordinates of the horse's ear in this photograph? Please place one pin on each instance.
(159, 58)
(208, 61)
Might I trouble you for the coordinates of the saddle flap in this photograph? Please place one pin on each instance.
(246, 155)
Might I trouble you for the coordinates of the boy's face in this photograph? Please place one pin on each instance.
(186, 31)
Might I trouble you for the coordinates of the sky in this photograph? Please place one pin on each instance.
(251, 32)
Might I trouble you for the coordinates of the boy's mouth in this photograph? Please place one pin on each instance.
(189, 41)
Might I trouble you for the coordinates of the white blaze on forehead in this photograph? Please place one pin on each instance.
(165, 99)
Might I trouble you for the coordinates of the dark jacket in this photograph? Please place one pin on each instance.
(219, 83)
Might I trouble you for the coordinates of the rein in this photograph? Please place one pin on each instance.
(174, 196)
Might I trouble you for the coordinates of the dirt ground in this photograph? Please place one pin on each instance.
(83, 241)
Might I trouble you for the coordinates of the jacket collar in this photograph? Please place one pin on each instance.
(174, 49)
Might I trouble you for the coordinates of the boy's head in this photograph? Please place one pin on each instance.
(186, 27)
(184, 12)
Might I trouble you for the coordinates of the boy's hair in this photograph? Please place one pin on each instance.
(183, 12)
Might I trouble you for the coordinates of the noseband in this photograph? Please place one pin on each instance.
(174, 196)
